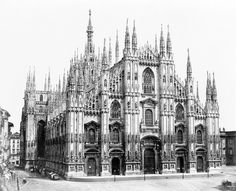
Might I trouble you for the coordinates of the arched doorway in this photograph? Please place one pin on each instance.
(149, 161)
(115, 166)
(180, 164)
(91, 167)
(199, 164)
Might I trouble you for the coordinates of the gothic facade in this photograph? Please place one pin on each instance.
(130, 116)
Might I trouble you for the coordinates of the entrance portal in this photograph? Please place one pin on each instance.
(149, 161)
(199, 164)
(91, 167)
(180, 164)
(115, 163)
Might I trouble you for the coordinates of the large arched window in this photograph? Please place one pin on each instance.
(199, 137)
(115, 136)
(115, 110)
(91, 136)
(179, 111)
(148, 117)
(179, 136)
(148, 81)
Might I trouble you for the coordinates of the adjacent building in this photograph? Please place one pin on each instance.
(5, 132)
(132, 115)
(15, 149)
(228, 147)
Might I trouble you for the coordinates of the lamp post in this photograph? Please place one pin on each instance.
(144, 178)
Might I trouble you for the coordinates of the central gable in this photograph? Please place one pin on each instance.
(149, 102)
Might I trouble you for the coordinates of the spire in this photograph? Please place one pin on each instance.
(168, 44)
(134, 40)
(90, 35)
(104, 56)
(214, 91)
(45, 83)
(59, 84)
(208, 88)
(117, 47)
(197, 92)
(28, 82)
(189, 68)
(49, 81)
(162, 44)
(64, 82)
(156, 49)
(34, 85)
(99, 54)
(127, 41)
(110, 53)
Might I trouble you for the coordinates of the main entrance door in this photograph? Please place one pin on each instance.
(180, 164)
(149, 161)
(91, 167)
(115, 163)
(199, 164)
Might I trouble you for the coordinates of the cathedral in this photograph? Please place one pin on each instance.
(131, 116)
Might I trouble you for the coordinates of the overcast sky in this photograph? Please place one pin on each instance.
(45, 33)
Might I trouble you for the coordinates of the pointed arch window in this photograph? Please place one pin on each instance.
(199, 137)
(179, 136)
(148, 117)
(115, 110)
(179, 112)
(148, 81)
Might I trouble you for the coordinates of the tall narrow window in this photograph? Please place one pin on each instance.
(91, 136)
(199, 137)
(128, 76)
(179, 136)
(148, 81)
(41, 98)
(179, 112)
(115, 136)
(148, 117)
(115, 110)
(164, 79)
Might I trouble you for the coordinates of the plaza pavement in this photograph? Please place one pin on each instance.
(199, 183)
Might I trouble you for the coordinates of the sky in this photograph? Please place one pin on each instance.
(43, 34)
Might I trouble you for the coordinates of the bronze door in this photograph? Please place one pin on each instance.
(149, 161)
(180, 164)
(199, 164)
(91, 167)
(115, 166)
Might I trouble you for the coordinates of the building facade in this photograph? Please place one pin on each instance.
(130, 116)
(5, 132)
(15, 149)
(228, 147)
